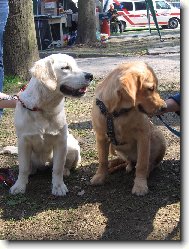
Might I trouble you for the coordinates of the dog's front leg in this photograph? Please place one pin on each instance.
(143, 154)
(103, 150)
(59, 159)
(24, 157)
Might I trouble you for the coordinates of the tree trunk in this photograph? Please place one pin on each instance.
(86, 32)
(20, 44)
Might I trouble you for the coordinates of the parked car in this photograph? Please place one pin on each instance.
(133, 13)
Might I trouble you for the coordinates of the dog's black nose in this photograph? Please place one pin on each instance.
(163, 108)
(88, 76)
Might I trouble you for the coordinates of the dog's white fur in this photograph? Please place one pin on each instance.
(73, 157)
(43, 134)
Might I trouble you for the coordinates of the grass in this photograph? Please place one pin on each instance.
(12, 84)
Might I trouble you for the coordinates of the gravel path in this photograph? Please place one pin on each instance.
(166, 66)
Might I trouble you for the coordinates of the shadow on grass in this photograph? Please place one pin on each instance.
(128, 217)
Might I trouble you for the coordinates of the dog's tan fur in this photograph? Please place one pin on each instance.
(130, 85)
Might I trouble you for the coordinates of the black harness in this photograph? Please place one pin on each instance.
(110, 119)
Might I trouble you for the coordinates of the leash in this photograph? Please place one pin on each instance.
(175, 132)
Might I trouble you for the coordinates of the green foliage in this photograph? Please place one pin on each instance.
(12, 84)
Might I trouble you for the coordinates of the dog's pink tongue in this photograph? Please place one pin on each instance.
(83, 90)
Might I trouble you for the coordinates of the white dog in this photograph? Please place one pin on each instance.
(41, 122)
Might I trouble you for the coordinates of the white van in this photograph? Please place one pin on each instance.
(133, 13)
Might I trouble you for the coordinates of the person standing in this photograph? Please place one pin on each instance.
(4, 11)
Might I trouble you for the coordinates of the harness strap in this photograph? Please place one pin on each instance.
(177, 133)
(109, 119)
(110, 129)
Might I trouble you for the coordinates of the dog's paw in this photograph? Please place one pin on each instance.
(140, 187)
(59, 189)
(98, 179)
(18, 188)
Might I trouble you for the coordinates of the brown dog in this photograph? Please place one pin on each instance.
(120, 112)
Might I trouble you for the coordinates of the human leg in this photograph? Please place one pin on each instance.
(4, 10)
(120, 27)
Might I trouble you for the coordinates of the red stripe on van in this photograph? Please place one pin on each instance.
(144, 24)
(117, 2)
(152, 23)
(127, 18)
(126, 11)
(175, 14)
(136, 15)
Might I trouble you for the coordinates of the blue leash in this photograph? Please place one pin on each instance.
(177, 133)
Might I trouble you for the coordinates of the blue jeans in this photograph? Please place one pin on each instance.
(4, 11)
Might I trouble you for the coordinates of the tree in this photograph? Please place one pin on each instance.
(86, 32)
(20, 44)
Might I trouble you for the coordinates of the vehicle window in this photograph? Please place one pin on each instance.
(175, 4)
(117, 7)
(162, 5)
(124, 5)
(140, 5)
(127, 5)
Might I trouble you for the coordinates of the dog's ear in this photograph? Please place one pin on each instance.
(111, 94)
(131, 84)
(43, 71)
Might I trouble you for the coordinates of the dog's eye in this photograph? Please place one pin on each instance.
(151, 88)
(65, 68)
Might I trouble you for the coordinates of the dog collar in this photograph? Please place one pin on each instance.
(33, 109)
(109, 119)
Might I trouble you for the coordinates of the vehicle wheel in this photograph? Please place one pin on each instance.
(123, 26)
(173, 23)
